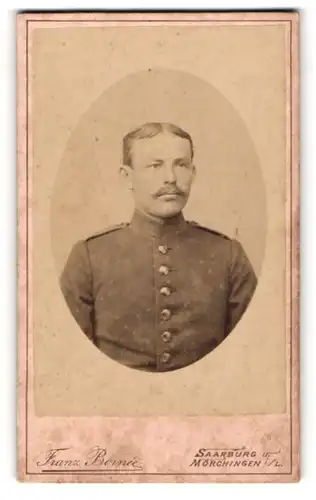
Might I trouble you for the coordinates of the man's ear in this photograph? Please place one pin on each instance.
(126, 175)
(194, 171)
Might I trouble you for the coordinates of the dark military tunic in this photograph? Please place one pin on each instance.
(157, 296)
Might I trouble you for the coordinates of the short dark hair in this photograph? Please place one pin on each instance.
(148, 130)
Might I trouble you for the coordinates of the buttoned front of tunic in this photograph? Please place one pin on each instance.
(158, 296)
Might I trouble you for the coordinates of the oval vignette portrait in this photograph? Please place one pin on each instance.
(158, 220)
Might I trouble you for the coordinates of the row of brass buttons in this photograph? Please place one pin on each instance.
(165, 314)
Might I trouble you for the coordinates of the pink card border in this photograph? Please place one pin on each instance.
(24, 418)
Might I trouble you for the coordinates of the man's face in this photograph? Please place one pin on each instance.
(161, 174)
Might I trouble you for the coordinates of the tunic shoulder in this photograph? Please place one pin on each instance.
(107, 230)
(209, 230)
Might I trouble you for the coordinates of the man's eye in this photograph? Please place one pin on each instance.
(154, 165)
(182, 164)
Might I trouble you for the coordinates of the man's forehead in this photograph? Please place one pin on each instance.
(162, 145)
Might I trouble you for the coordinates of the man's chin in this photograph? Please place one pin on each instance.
(169, 209)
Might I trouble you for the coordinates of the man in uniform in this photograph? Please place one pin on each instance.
(158, 293)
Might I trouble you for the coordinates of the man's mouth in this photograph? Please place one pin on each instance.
(169, 197)
(169, 194)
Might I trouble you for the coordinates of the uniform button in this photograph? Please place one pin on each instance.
(165, 291)
(163, 249)
(165, 357)
(165, 314)
(166, 336)
(164, 270)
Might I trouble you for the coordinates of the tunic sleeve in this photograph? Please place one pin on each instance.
(76, 286)
(242, 284)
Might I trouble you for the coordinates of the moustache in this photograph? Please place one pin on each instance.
(169, 190)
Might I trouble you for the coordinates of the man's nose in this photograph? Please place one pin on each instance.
(169, 174)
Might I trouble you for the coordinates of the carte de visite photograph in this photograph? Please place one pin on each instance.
(158, 263)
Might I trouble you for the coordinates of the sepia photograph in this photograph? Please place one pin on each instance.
(158, 206)
(160, 292)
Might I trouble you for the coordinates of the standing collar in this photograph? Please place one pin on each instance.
(150, 226)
